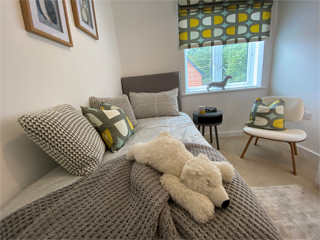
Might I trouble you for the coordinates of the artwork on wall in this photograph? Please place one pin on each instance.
(85, 17)
(48, 19)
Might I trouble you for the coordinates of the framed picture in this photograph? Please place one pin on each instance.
(85, 17)
(48, 19)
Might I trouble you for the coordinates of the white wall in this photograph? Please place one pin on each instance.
(147, 35)
(296, 62)
(36, 74)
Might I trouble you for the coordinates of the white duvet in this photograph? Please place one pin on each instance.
(180, 127)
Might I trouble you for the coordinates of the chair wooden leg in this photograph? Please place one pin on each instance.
(245, 149)
(292, 155)
(256, 141)
(295, 149)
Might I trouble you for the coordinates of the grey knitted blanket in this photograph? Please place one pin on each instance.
(125, 200)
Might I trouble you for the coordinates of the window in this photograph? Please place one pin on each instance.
(242, 61)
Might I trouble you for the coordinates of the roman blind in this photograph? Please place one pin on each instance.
(218, 22)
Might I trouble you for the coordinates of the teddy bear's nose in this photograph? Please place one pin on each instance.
(225, 204)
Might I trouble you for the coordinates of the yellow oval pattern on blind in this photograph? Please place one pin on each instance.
(266, 15)
(242, 17)
(183, 12)
(183, 36)
(255, 28)
(218, 20)
(207, 10)
(231, 30)
(253, 25)
(194, 22)
(206, 33)
(256, 5)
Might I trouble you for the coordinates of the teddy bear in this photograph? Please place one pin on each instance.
(195, 183)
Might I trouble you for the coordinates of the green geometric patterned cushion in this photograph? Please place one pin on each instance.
(267, 117)
(112, 124)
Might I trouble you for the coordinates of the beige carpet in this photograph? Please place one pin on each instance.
(294, 211)
(294, 203)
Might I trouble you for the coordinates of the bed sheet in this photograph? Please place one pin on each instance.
(180, 127)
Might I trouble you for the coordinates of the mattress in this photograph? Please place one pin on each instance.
(180, 127)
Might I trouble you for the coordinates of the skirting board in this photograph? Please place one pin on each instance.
(311, 155)
(222, 134)
(314, 158)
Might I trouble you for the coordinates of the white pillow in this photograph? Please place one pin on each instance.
(147, 105)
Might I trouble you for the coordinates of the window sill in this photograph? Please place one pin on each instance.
(223, 91)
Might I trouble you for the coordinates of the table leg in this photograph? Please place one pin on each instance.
(217, 138)
(199, 127)
(211, 134)
(202, 130)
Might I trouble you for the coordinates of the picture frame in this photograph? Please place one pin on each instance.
(48, 19)
(85, 17)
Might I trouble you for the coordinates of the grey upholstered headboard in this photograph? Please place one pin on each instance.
(152, 83)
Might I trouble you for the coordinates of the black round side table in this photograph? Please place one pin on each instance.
(208, 119)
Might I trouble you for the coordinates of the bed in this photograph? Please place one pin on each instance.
(62, 205)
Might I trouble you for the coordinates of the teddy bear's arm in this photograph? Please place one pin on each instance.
(198, 205)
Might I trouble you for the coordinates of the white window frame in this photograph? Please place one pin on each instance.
(254, 69)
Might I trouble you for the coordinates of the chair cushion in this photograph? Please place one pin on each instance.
(288, 135)
(267, 117)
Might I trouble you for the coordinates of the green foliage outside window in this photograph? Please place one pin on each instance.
(234, 59)
(234, 62)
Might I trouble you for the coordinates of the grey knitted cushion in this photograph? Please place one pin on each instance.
(67, 137)
(121, 102)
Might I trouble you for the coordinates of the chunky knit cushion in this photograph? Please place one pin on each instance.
(121, 102)
(67, 137)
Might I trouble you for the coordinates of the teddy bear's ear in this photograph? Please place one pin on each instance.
(203, 156)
